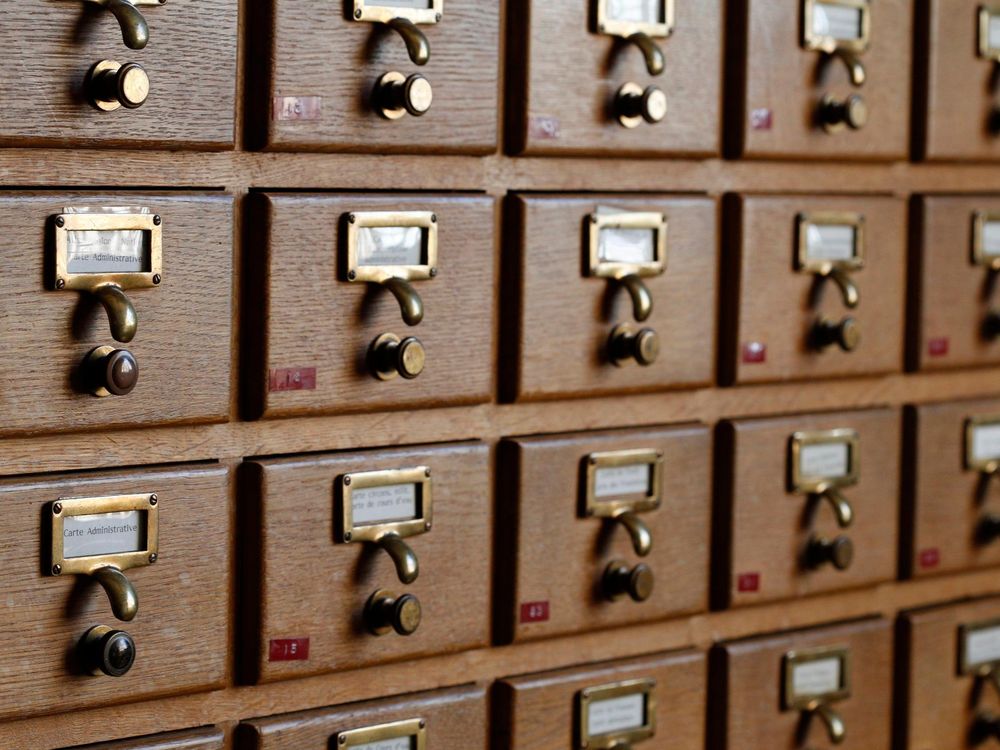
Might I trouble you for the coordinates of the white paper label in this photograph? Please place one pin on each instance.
(993, 38)
(616, 481)
(982, 646)
(398, 743)
(816, 678)
(104, 533)
(642, 11)
(831, 241)
(108, 251)
(827, 460)
(631, 245)
(419, 4)
(986, 442)
(991, 238)
(391, 246)
(617, 715)
(837, 21)
(393, 502)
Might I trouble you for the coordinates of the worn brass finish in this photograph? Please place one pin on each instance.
(635, 105)
(110, 372)
(135, 30)
(389, 356)
(397, 95)
(987, 51)
(989, 670)
(385, 611)
(619, 579)
(640, 33)
(106, 569)
(836, 114)
(624, 509)
(629, 274)
(111, 85)
(837, 269)
(404, 21)
(818, 704)
(387, 535)
(826, 487)
(979, 255)
(395, 278)
(625, 738)
(838, 552)
(844, 334)
(413, 729)
(848, 50)
(989, 466)
(627, 342)
(106, 650)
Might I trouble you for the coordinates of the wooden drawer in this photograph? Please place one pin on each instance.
(775, 511)
(775, 305)
(318, 329)
(547, 711)
(783, 110)
(956, 113)
(320, 84)
(574, 488)
(951, 504)
(52, 47)
(955, 302)
(180, 628)
(208, 738)
(453, 719)
(567, 80)
(943, 701)
(749, 701)
(319, 622)
(567, 313)
(183, 340)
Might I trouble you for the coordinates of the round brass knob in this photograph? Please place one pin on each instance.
(838, 552)
(844, 334)
(390, 356)
(628, 342)
(396, 95)
(988, 529)
(110, 371)
(620, 580)
(837, 114)
(635, 105)
(107, 650)
(112, 85)
(385, 611)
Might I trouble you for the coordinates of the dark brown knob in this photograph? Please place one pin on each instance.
(991, 325)
(112, 85)
(111, 372)
(628, 342)
(988, 529)
(635, 105)
(385, 611)
(986, 726)
(838, 552)
(396, 95)
(620, 579)
(390, 356)
(844, 334)
(850, 112)
(108, 651)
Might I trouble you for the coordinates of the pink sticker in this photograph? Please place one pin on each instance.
(292, 108)
(535, 612)
(544, 128)
(761, 119)
(292, 379)
(748, 582)
(754, 352)
(930, 557)
(938, 347)
(288, 649)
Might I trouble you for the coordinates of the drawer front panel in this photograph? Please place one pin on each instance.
(208, 738)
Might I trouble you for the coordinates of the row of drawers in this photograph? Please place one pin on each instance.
(348, 560)
(784, 690)
(578, 84)
(363, 302)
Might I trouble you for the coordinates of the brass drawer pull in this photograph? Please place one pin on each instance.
(120, 591)
(655, 61)
(836, 114)
(619, 579)
(390, 356)
(844, 334)
(135, 30)
(635, 104)
(385, 611)
(838, 552)
(628, 342)
(417, 46)
(112, 85)
(106, 650)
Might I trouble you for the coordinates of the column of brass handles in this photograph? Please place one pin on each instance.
(834, 113)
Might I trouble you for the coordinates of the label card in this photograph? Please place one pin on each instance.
(615, 481)
(815, 674)
(984, 443)
(616, 714)
(415, 4)
(372, 503)
(831, 460)
(816, 678)
(838, 22)
(621, 243)
(981, 646)
(624, 245)
(831, 242)
(400, 743)
(993, 32)
(391, 246)
(642, 11)
(394, 502)
(991, 228)
(821, 460)
(104, 534)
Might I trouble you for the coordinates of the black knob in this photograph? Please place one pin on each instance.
(844, 334)
(385, 611)
(985, 726)
(838, 552)
(988, 529)
(627, 342)
(108, 651)
(111, 372)
(851, 112)
(991, 325)
(619, 579)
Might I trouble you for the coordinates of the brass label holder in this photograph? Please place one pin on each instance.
(403, 20)
(639, 32)
(624, 508)
(589, 701)
(972, 663)
(838, 269)
(981, 255)
(395, 277)
(629, 273)
(818, 701)
(110, 287)
(825, 485)
(389, 534)
(107, 569)
(989, 19)
(990, 464)
(414, 729)
(847, 48)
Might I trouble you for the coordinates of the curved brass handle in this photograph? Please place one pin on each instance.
(855, 68)
(404, 558)
(841, 506)
(120, 310)
(642, 537)
(410, 304)
(120, 591)
(642, 300)
(417, 46)
(847, 287)
(834, 723)
(655, 62)
(135, 30)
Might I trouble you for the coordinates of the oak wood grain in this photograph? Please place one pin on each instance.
(208, 738)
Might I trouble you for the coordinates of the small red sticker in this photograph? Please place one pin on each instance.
(292, 379)
(544, 128)
(748, 582)
(754, 352)
(297, 108)
(930, 557)
(535, 612)
(761, 119)
(938, 347)
(288, 649)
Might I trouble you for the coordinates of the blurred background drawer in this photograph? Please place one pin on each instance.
(815, 287)
(578, 89)
(324, 317)
(610, 294)
(178, 631)
(807, 504)
(630, 512)
(325, 88)
(194, 739)
(336, 590)
(189, 75)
